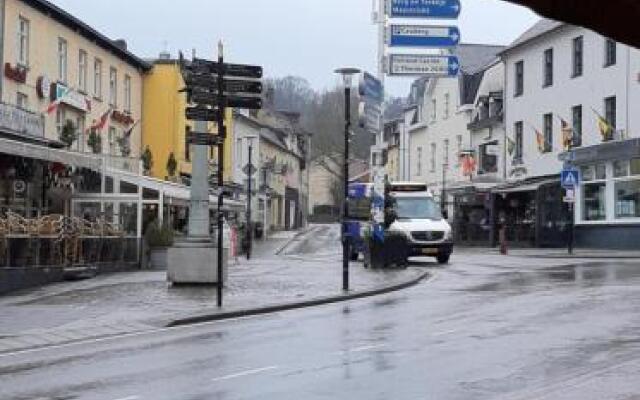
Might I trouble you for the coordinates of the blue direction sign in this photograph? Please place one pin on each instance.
(443, 9)
(423, 36)
(371, 88)
(423, 65)
(570, 178)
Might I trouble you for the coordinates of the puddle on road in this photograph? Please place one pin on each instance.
(582, 275)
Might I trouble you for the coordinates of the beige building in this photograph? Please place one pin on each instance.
(49, 55)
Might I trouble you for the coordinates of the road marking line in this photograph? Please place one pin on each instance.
(244, 373)
(129, 398)
(359, 349)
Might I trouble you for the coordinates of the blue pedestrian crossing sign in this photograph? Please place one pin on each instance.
(570, 178)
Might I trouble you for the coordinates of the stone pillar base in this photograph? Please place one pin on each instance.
(194, 261)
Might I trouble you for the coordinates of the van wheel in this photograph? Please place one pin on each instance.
(444, 259)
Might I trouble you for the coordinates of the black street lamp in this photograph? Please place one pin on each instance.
(347, 78)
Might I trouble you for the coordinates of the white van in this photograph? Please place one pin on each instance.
(420, 219)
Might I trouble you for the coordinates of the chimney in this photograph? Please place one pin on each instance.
(164, 55)
(121, 44)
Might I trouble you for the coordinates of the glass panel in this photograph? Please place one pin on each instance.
(588, 173)
(635, 166)
(601, 171)
(594, 202)
(628, 199)
(128, 217)
(620, 168)
(150, 194)
(128, 188)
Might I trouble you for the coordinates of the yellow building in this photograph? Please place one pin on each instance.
(165, 126)
(48, 54)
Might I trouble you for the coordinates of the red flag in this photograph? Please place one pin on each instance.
(102, 122)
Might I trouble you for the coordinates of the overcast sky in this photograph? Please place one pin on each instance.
(308, 38)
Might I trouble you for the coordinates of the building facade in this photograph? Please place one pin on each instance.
(570, 99)
(48, 55)
(165, 126)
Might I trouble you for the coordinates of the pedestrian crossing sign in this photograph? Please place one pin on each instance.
(570, 178)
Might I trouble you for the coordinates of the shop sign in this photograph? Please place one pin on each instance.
(43, 87)
(21, 122)
(17, 73)
(519, 172)
(71, 97)
(19, 187)
(121, 117)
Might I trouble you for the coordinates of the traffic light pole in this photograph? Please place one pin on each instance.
(222, 132)
(249, 189)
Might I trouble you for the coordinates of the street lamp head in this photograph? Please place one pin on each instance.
(347, 75)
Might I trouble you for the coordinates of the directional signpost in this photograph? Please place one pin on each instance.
(423, 36)
(210, 92)
(424, 65)
(204, 139)
(370, 108)
(435, 9)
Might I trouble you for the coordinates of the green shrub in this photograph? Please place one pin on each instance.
(159, 236)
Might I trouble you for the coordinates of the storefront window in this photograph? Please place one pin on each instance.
(594, 208)
(628, 199)
(620, 169)
(601, 171)
(588, 173)
(635, 166)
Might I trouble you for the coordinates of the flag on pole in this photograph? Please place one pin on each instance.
(606, 129)
(567, 134)
(540, 140)
(53, 106)
(128, 132)
(102, 122)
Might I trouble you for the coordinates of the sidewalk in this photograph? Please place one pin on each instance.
(139, 301)
(560, 253)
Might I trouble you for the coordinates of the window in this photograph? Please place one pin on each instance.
(548, 67)
(97, 78)
(576, 113)
(458, 148)
(187, 145)
(127, 93)
(548, 133)
(519, 84)
(22, 101)
(445, 154)
(113, 87)
(112, 140)
(62, 60)
(419, 163)
(610, 110)
(61, 117)
(446, 105)
(578, 54)
(82, 71)
(433, 157)
(23, 41)
(80, 126)
(627, 199)
(610, 50)
(519, 128)
(594, 197)
(434, 106)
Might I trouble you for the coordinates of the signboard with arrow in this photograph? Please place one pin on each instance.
(423, 36)
(423, 65)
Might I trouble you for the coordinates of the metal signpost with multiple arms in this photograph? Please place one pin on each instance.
(209, 90)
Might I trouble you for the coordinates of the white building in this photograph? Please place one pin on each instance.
(438, 127)
(556, 72)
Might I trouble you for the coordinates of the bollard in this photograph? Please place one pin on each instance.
(503, 241)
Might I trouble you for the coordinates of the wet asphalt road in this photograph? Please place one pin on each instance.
(480, 329)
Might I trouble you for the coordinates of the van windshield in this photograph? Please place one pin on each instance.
(417, 208)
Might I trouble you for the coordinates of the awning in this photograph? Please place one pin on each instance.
(39, 152)
(526, 187)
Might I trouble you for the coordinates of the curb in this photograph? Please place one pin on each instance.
(574, 256)
(296, 305)
(294, 238)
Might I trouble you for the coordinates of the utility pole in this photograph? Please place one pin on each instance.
(222, 133)
(249, 189)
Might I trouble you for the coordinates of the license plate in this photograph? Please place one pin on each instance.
(430, 252)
